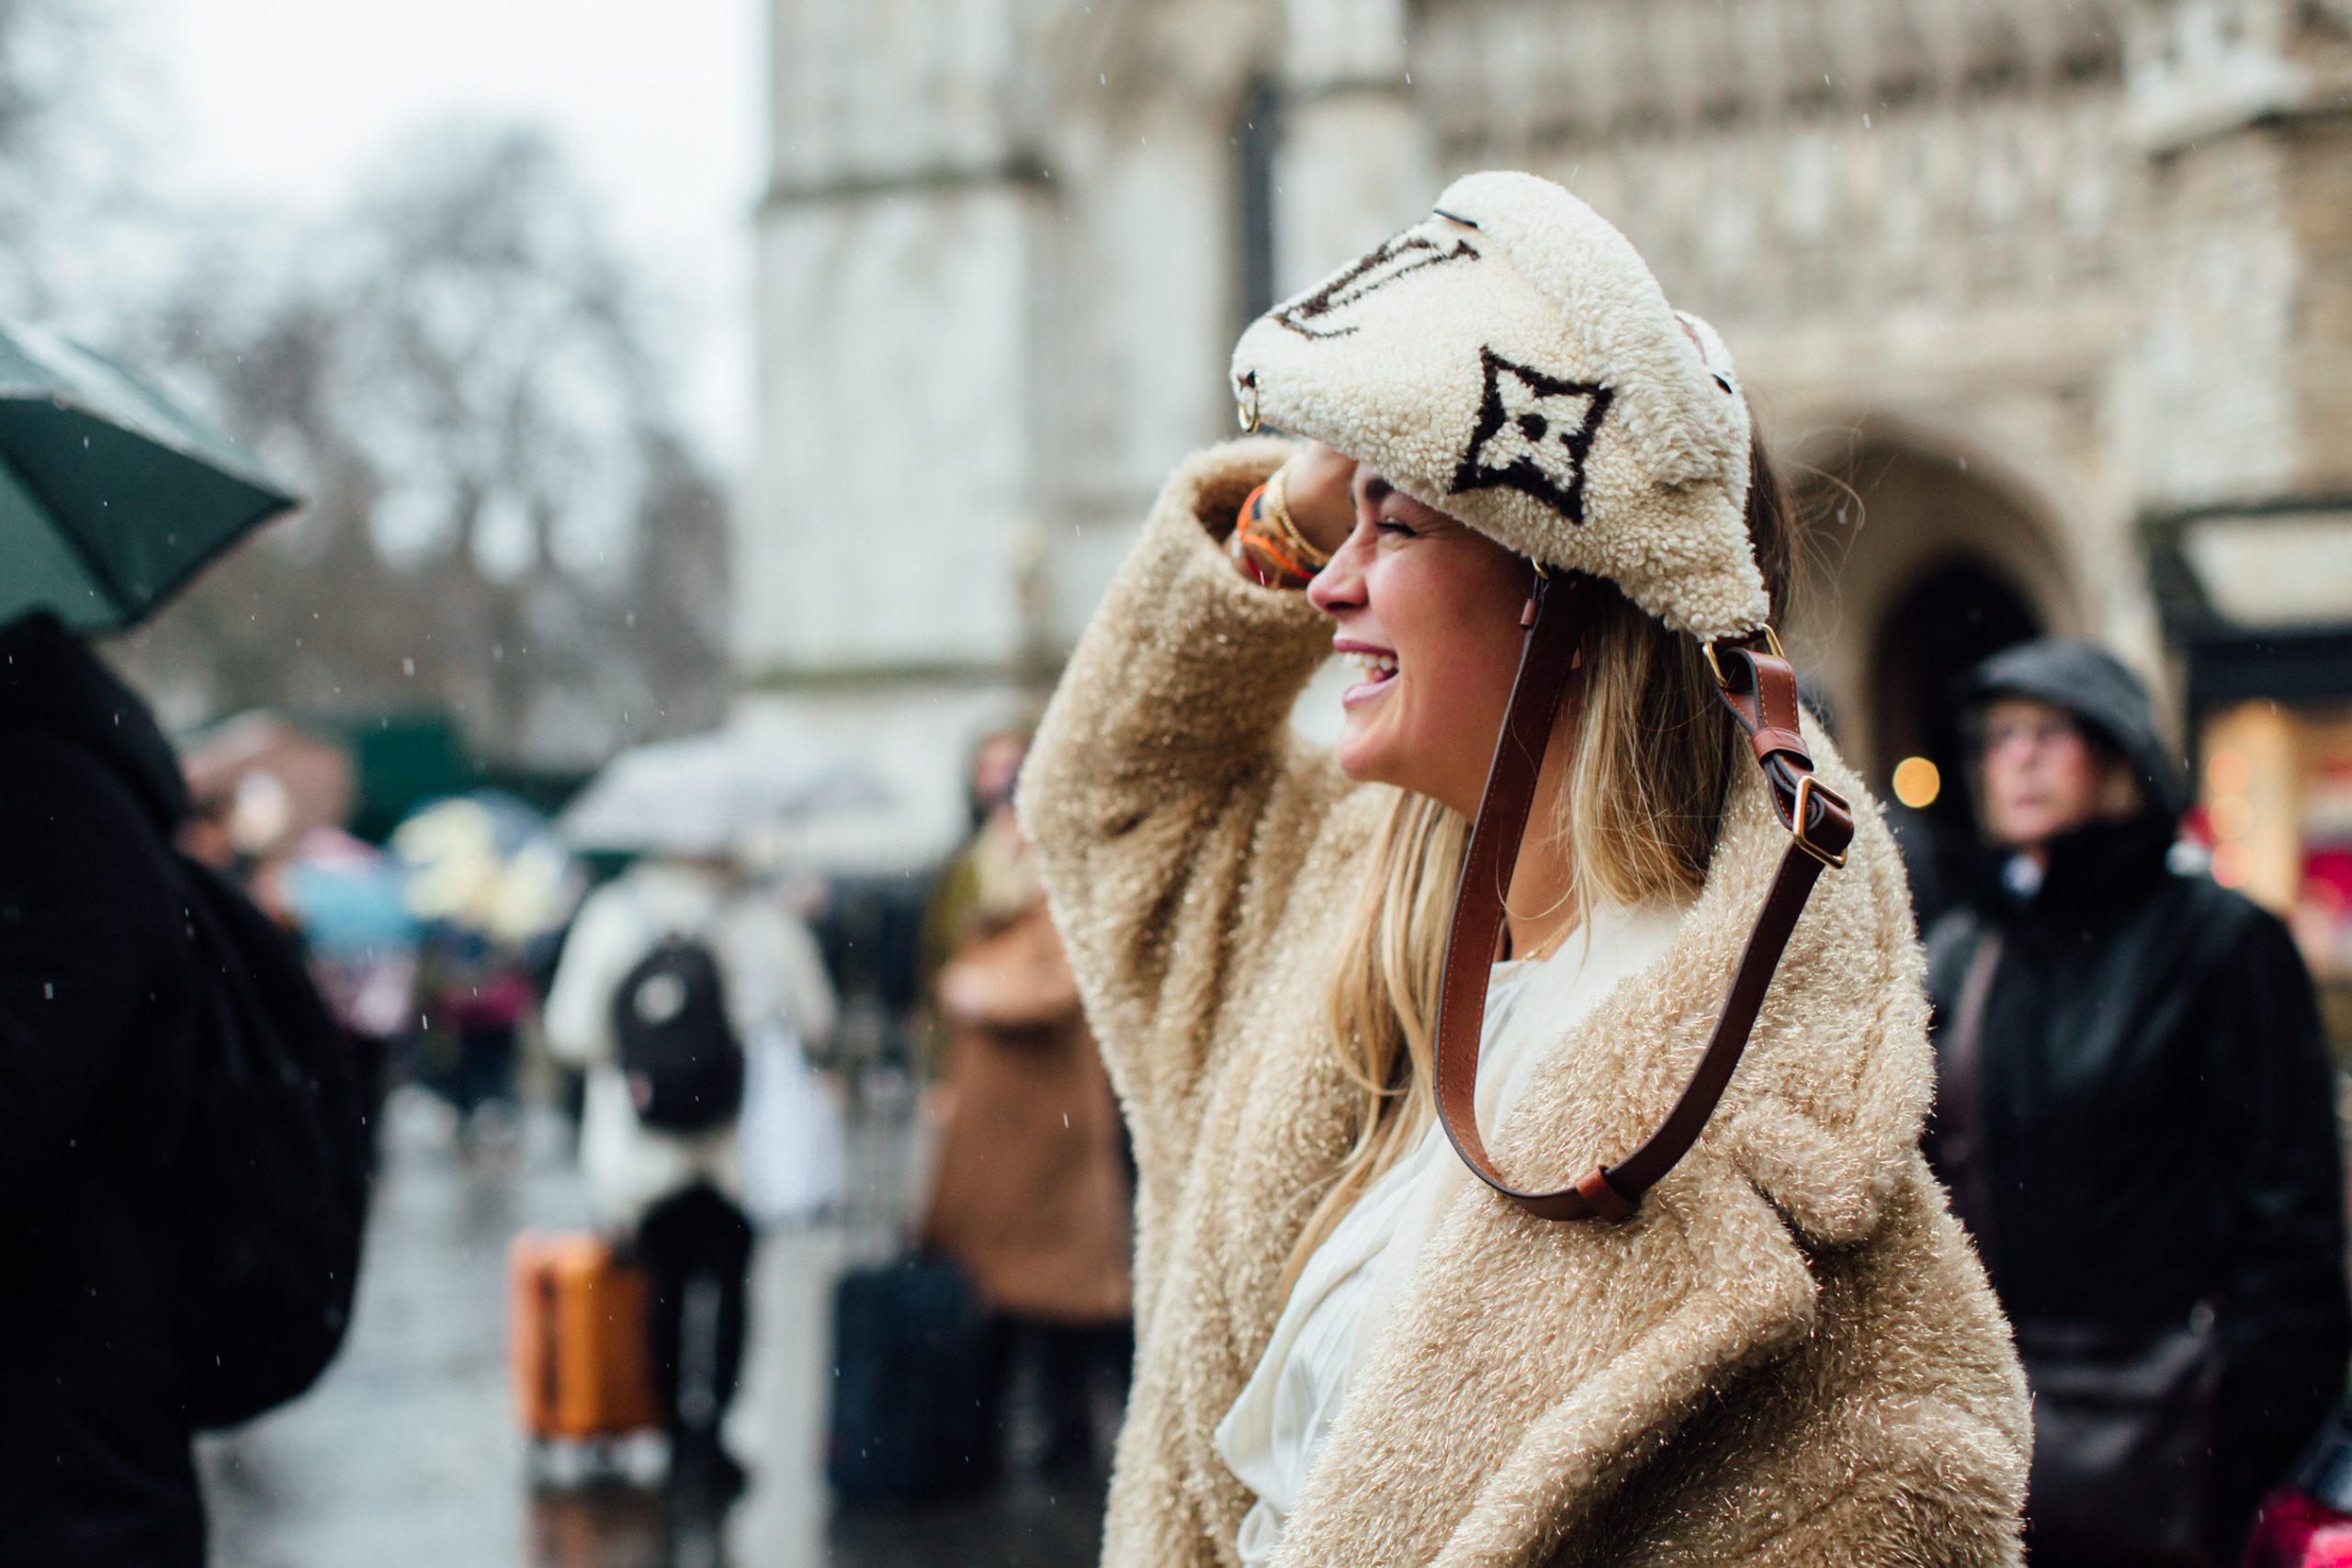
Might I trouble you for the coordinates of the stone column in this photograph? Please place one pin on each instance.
(896, 245)
(2242, 397)
(885, 541)
(1353, 166)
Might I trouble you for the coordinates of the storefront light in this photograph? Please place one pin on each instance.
(2231, 815)
(2228, 773)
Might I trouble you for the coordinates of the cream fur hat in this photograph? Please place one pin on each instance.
(1511, 362)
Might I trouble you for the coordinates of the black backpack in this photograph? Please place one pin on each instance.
(678, 1052)
(274, 1184)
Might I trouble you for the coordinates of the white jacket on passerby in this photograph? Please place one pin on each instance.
(774, 978)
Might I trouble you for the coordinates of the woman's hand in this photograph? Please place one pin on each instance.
(1318, 484)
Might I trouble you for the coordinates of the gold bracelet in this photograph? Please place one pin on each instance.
(1277, 512)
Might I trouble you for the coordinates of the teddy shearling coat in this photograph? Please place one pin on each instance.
(1789, 1356)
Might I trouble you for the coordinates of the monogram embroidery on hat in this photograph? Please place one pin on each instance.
(1532, 434)
(1407, 253)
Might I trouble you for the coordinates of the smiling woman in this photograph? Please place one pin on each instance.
(1574, 770)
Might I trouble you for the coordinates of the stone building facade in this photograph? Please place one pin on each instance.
(2046, 305)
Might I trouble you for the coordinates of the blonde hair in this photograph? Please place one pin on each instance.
(1651, 758)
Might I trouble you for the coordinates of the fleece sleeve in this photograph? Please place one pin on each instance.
(1165, 792)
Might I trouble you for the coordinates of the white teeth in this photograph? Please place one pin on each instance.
(1373, 666)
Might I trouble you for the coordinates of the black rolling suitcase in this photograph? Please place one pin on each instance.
(909, 1416)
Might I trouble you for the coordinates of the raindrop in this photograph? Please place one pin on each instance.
(408, 666)
(49, 990)
(1866, 122)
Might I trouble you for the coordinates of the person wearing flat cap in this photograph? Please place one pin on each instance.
(1527, 1090)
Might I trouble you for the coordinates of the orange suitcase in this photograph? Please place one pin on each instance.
(577, 1333)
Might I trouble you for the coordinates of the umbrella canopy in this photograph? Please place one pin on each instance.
(350, 897)
(281, 781)
(716, 793)
(111, 495)
(487, 864)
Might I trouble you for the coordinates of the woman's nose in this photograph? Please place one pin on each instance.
(1339, 587)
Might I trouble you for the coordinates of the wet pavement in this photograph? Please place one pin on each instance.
(407, 1456)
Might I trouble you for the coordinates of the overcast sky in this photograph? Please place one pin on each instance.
(658, 102)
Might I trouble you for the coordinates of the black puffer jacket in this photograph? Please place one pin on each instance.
(97, 977)
(2157, 1117)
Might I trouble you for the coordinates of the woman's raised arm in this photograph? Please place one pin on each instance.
(1166, 795)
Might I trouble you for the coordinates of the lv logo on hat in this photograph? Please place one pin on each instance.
(1410, 252)
(1532, 434)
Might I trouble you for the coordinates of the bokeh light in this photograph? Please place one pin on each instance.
(2228, 773)
(1917, 782)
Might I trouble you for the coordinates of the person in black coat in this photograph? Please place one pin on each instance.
(98, 981)
(2136, 1118)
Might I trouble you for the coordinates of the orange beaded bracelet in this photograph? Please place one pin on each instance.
(1270, 555)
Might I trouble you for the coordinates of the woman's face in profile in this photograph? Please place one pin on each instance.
(1427, 611)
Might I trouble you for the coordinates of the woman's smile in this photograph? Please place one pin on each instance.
(1413, 589)
(1378, 667)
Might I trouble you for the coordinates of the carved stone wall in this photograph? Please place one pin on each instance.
(1806, 158)
(2090, 261)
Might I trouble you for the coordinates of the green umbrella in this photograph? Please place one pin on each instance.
(111, 495)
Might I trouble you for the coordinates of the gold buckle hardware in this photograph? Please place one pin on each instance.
(1807, 787)
(1247, 413)
(1771, 644)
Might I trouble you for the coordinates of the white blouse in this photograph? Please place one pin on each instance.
(1352, 1280)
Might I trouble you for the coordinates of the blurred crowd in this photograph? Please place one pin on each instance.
(479, 963)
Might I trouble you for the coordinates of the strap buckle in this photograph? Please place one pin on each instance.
(1807, 787)
(1771, 645)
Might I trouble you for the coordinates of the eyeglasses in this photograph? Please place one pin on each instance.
(2032, 733)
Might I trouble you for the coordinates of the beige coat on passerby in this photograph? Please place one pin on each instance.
(1029, 1192)
(1789, 1356)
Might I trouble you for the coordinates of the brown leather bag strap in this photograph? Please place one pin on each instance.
(1960, 1097)
(1760, 688)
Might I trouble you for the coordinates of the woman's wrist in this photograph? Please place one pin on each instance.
(1266, 544)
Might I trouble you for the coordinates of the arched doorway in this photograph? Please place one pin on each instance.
(1917, 562)
(1956, 614)
(1920, 564)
